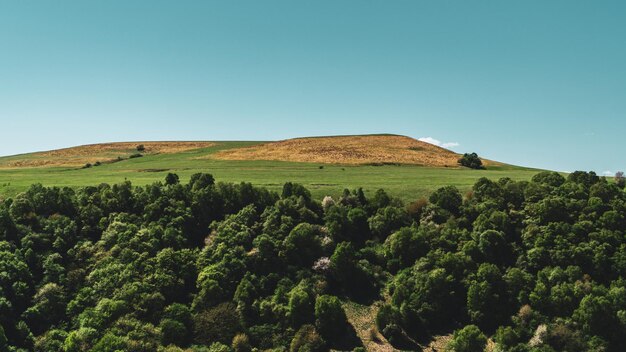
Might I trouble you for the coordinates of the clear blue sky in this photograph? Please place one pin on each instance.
(536, 83)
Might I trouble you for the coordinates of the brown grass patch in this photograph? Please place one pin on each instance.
(362, 318)
(438, 343)
(92, 153)
(373, 149)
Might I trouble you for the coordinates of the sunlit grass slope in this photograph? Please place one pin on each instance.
(408, 182)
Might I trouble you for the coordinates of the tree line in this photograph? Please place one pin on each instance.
(533, 265)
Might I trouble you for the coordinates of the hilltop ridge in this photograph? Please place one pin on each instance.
(354, 149)
(404, 166)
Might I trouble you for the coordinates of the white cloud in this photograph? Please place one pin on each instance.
(430, 140)
(450, 144)
(438, 143)
(608, 173)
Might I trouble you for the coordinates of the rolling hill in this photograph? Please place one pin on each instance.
(92, 153)
(351, 150)
(405, 167)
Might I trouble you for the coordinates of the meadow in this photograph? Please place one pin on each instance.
(404, 181)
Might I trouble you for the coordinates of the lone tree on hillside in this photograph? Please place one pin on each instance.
(472, 161)
(620, 179)
(171, 179)
(141, 148)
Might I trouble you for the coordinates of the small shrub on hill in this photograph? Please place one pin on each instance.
(468, 339)
(472, 161)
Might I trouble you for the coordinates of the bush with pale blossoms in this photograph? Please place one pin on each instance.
(322, 264)
(327, 202)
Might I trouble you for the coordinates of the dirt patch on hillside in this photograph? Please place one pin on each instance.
(438, 344)
(363, 150)
(104, 153)
(362, 318)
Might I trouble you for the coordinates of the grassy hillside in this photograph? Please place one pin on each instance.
(348, 150)
(406, 181)
(92, 153)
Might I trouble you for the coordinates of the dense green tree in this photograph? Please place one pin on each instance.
(468, 339)
(426, 299)
(330, 319)
(176, 325)
(217, 324)
(537, 265)
(303, 244)
(48, 308)
(471, 160)
(301, 305)
(307, 339)
(171, 179)
(587, 179)
(487, 297)
(296, 190)
(448, 198)
(403, 247)
(52, 340)
(347, 224)
(552, 179)
(596, 315)
(388, 219)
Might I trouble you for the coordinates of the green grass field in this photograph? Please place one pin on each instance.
(407, 182)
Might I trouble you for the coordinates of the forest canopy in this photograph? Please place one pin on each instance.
(206, 266)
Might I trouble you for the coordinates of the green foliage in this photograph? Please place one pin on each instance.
(347, 224)
(330, 319)
(295, 190)
(176, 325)
(487, 297)
(80, 340)
(468, 339)
(173, 332)
(307, 340)
(552, 179)
(301, 306)
(388, 219)
(403, 247)
(204, 266)
(343, 264)
(303, 244)
(48, 307)
(431, 296)
(620, 180)
(220, 323)
(385, 317)
(217, 347)
(110, 343)
(472, 161)
(411, 182)
(171, 179)
(448, 198)
(241, 343)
